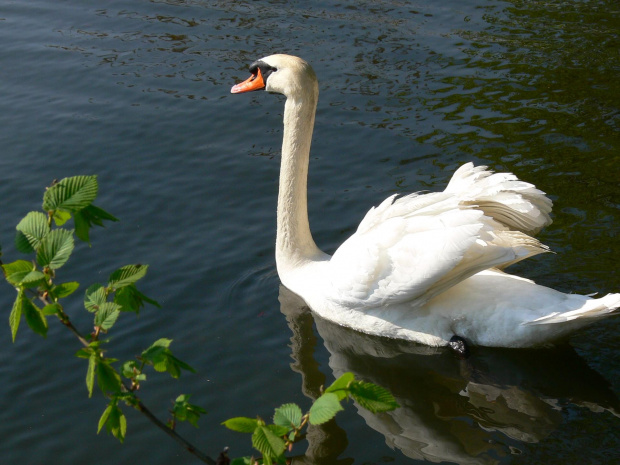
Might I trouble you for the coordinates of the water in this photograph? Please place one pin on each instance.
(138, 93)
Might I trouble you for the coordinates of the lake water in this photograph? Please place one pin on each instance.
(137, 92)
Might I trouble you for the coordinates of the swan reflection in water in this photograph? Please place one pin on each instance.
(452, 409)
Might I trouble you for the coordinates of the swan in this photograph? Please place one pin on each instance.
(428, 267)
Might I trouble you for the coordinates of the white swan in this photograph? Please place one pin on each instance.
(426, 267)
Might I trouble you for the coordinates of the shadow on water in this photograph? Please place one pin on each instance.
(473, 411)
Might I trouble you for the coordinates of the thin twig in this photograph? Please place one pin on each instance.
(139, 406)
(173, 434)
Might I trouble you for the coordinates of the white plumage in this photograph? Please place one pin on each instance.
(424, 267)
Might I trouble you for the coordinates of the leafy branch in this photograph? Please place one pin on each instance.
(40, 296)
(43, 235)
(272, 440)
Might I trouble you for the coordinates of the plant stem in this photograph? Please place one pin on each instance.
(173, 434)
(138, 405)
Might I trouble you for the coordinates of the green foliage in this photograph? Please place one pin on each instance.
(114, 420)
(31, 231)
(52, 245)
(288, 415)
(71, 194)
(288, 421)
(184, 411)
(241, 424)
(160, 357)
(55, 249)
(126, 276)
(43, 235)
(324, 408)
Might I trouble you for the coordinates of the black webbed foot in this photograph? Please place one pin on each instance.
(459, 346)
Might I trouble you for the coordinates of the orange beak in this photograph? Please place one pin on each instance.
(254, 82)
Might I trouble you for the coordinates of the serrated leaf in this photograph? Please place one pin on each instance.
(87, 217)
(267, 443)
(16, 314)
(114, 421)
(180, 363)
(107, 315)
(61, 217)
(243, 461)
(71, 194)
(127, 275)
(65, 289)
(85, 352)
(35, 319)
(94, 297)
(340, 387)
(129, 369)
(30, 231)
(241, 424)
(104, 417)
(184, 411)
(288, 415)
(90, 374)
(372, 397)
(278, 430)
(131, 299)
(22, 273)
(55, 248)
(324, 408)
(50, 309)
(107, 378)
(162, 359)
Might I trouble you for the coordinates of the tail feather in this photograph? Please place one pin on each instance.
(593, 308)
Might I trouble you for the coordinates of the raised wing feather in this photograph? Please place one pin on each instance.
(412, 248)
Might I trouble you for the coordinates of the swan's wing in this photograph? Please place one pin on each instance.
(514, 203)
(415, 247)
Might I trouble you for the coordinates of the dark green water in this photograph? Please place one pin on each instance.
(138, 93)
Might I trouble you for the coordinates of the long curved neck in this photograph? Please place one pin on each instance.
(294, 243)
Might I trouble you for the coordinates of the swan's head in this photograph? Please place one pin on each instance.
(283, 74)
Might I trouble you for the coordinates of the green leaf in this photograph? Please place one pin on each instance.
(288, 415)
(127, 275)
(162, 359)
(340, 387)
(87, 217)
(107, 315)
(130, 368)
(157, 345)
(132, 300)
(55, 248)
(22, 274)
(71, 194)
(114, 421)
(267, 443)
(90, 374)
(50, 309)
(180, 364)
(241, 424)
(30, 232)
(184, 411)
(35, 319)
(324, 408)
(16, 313)
(373, 397)
(104, 417)
(107, 377)
(243, 461)
(279, 431)
(61, 217)
(85, 352)
(95, 297)
(65, 289)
